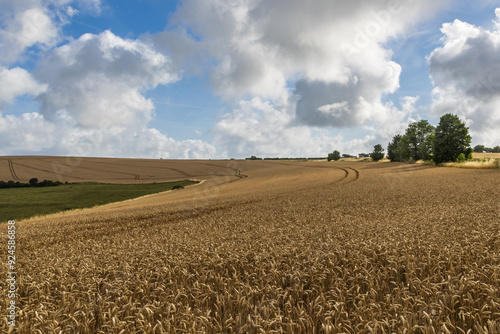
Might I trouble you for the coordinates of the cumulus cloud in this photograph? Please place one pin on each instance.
(27, 23)
(300, 72)
(15, 82)
(258, 127)
(100, 77)
(92, 102)
(466, 75)
(24, 24)
(32, 133)
(26, 134)
(330, 55)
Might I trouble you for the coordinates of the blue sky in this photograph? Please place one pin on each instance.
(234, 78)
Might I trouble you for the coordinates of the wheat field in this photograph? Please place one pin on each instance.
(266, 247)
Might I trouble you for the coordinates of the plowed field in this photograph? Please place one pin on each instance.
(264, 247)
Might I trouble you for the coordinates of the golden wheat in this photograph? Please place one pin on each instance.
(310, 247)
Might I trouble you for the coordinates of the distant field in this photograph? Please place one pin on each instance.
(74, 169)
(22, 203)
(486, 155)
(266, 247)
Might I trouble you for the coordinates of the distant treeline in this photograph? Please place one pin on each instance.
(361, 155)
(483, 149)
(32, 183)
(295, 158)
(253, 157)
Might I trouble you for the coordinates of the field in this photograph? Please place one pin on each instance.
(486, 155)
(22, 203)
(265, 247)
(74, 169)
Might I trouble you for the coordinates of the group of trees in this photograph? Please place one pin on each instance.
(449, 141)
(422, 141)
(482, 148)
(415, 144)
(32, 183)
(376, 155)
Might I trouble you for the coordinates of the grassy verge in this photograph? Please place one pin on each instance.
(475, 163)
(22, 203)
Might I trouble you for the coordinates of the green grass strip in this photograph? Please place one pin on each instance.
(22, 203)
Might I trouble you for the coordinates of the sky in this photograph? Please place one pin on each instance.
(208, 79)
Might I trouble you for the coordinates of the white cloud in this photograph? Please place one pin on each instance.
(329, 58)
(92, 102)
(299, 69)
(101, 77)
(257, 127)
(24, 24)
(90, 89)
(27, 23)
(93, 6)
(26, 134)
(15, 82)
(466, 75)
(32, 133)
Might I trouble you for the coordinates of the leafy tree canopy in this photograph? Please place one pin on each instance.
(452, 138)
(377, 153)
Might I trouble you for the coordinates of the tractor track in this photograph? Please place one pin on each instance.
(236, 171)
(13, 171)
(44, 170)
(136, 176)
(355, 171)
(347, 171)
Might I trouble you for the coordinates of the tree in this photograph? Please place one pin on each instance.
(416, 144)
(334, 156)
(496, 149)
(452, 138)
(33, 181)
(377, 153)
(479, 148)
(394, 149)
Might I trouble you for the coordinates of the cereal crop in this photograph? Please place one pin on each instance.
(269, 247)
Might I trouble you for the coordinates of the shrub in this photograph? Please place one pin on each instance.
(177, 186)
(334, 156)
(461, 157)
(378, 153)
(33, 181)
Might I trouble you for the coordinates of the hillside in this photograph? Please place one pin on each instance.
(267, 246)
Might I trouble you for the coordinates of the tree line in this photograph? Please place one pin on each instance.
(483, 149)
(31, 183)
(449, 141)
